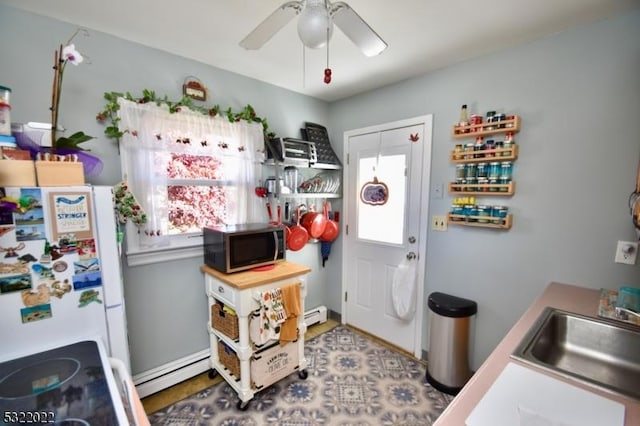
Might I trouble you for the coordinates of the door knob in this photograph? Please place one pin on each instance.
(411, 255)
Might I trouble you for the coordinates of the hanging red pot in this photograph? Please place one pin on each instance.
(315, 223)
(299, 236)
(331, 229)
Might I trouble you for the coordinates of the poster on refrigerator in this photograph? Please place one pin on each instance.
(71, 214)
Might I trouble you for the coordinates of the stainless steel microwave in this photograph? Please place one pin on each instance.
(233, 248)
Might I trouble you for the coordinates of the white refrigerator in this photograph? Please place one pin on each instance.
(60, 271)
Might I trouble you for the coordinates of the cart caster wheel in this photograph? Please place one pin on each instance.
(212, 374)
(303, 374)
(243, 405)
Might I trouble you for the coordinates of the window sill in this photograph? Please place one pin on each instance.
(165, 255)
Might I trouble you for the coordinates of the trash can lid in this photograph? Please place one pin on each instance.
(451, 306)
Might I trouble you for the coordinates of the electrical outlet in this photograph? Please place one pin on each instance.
(439, 223)
(626, 252)
(437, 190)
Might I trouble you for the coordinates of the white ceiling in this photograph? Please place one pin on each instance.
(422, 35)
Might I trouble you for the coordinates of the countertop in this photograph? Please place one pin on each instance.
(562, 296)
(247, 279)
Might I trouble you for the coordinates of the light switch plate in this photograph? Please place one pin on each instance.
(626, 252)
(439, 223)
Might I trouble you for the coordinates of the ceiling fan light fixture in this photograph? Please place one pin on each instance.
(313, 23)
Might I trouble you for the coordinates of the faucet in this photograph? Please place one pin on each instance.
(624, 313)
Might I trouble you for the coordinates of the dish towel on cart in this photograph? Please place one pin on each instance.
(271, 317)
(293, 308)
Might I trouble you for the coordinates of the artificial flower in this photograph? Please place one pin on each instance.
(70, 54)
(67, 53)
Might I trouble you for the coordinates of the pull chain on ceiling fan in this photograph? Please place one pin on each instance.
(315, 27)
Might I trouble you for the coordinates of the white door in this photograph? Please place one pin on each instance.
(386, 206)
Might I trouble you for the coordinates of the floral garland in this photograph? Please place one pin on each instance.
(110, 112)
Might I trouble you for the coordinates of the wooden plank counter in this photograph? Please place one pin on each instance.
(562, 296)
(248, 279)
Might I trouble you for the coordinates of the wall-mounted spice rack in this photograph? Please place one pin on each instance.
(487, 129)
(485, 155)
(488, 154)
(499, 189)
(481, 221)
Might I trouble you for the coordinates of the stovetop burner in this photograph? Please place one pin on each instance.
(65, 386)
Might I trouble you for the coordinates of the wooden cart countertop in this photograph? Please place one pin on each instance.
(248, 279)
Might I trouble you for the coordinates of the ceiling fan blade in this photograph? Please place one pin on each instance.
(354, 27)
(271, 25)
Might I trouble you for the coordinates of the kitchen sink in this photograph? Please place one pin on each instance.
(595, 351)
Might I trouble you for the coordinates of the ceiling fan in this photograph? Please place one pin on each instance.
(315, 26)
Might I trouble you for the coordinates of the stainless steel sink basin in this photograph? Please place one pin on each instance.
(595, 351)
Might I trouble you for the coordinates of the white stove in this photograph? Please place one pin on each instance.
(68, 385)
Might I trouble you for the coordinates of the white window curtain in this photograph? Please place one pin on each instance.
(188, 170)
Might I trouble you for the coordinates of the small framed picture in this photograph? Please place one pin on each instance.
(195, 90)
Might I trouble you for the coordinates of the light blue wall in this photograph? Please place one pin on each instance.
(166, 304)
(578, 94)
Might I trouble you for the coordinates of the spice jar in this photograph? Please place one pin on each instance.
(490, 146)
(468, 209)
(498, 214)
(473, 213)
(506, 169)
(492, 183)
(5, 119)
(483, 214)
(504, 180)
(457, 210)
(494, 170)
(475, 120)
(471, 170)
(510, 119)
(472, 184)
(468, 150)
(5, 95)
(460, 171)
(482, 182)
(482, 170)
(457, 152)
(508, 148)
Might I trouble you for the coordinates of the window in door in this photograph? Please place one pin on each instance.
(383, 223)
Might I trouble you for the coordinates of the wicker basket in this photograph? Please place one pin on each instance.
(224, 322)
(229, 359)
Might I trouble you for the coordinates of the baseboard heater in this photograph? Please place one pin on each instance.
(316, 316)
(171, 373)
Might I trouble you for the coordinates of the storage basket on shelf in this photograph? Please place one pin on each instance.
(224, 321)
(228, 358)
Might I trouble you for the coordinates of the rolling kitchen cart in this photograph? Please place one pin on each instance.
(232, 300)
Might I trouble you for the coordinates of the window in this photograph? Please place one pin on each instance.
(390, 170)
(187, 171)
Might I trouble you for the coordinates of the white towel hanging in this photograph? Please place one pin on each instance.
(404, 289)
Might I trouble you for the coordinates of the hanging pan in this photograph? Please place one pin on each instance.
(331, 229)
(299, 236)
(314, 222)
